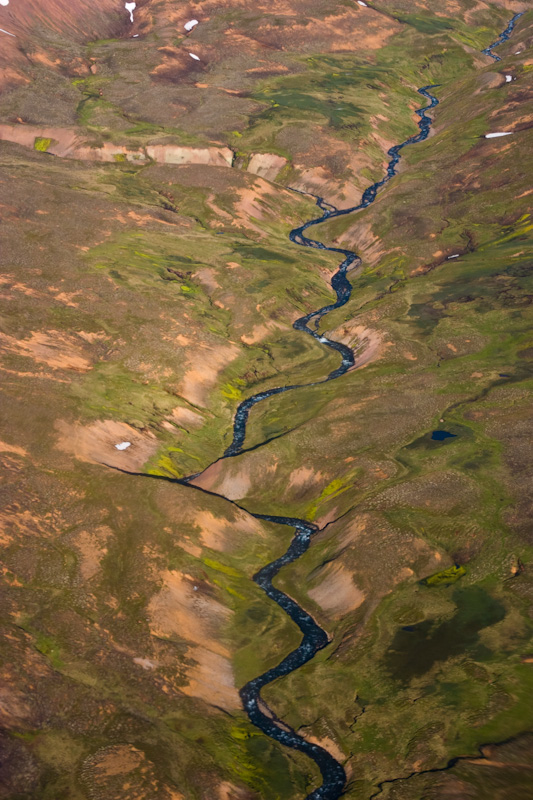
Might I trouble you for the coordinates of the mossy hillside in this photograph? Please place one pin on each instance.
(493, 278)
(508, 634)
(166, 268)
(125, 96)
(475, 531)
(70, 629)
(379, 467)
(490, 358)
(491, 329)
(354, 100)
(467, 687)
(471, 211)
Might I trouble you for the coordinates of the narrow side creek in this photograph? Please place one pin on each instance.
(503, 37)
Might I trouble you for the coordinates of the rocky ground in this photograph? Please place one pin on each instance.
(148, 286)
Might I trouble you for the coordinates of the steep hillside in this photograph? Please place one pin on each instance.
(151, 177)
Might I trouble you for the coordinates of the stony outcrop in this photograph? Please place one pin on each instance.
(266, 165)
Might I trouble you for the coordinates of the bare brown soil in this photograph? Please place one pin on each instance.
(96, 443)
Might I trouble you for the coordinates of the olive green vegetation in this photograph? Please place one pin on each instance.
(459, 360)
(178, 288)
(41, 144)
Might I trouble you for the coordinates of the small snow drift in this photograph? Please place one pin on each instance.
(123, 445)
(455, 255)
(4, 2)
(495, 135)
(96, 443)
(196, 58)
(191, 24)
(131, 8)
(360, 2)
(508, 78)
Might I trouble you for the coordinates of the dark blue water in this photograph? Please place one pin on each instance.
(439, 436)
(503, 37)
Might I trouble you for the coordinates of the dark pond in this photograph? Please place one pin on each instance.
(439, 436)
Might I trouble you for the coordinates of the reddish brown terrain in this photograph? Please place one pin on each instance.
(149, 286)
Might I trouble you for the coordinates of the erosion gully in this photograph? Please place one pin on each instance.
(314, 637)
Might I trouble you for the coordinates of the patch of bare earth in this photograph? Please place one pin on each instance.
(12, 448)
(96, 443)
(91, 546)
(336, 593)
(14, 709)
(123, 772)
(188, 610)
(53, 348)
(228, 791)
(219, 534)
(367, 343)
(203, 371)
(266, 165)
(18, 524)
(234, 484)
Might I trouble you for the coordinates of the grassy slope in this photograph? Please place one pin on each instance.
(405, 506)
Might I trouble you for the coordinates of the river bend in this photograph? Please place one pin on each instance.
(314, 637)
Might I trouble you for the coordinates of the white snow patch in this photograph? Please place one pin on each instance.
(323, 339)
(495, 135)
(145, 663)
(518, 52)
(135, 35)
(455, 255)
(196, 58)
(360, 2)
(3, 31)
(191, 24)
(123, 445)
(508, 78)
(4, 2)
(131, 8)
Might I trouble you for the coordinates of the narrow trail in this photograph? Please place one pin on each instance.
(314, 637)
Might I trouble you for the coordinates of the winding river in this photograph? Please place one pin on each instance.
(503, 37)
(314, 637)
